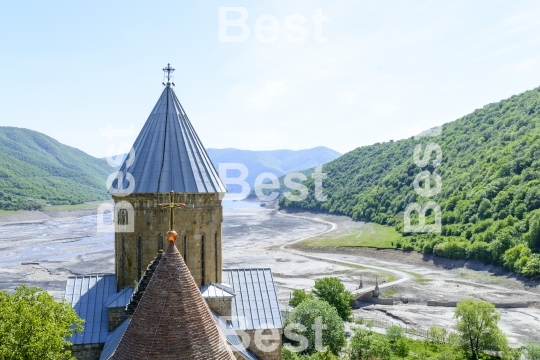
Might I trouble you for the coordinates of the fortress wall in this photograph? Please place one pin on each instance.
(513, 305)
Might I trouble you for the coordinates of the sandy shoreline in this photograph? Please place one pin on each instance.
(41, 215)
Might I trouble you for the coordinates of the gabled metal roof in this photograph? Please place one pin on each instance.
(113, 340)
(216, 291)
(255, 305)
(169, 156)
(89, 295)
(120, 299)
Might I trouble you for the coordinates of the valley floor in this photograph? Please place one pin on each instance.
(44, 252)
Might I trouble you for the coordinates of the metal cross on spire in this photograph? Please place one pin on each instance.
(168, 72)
(172, 205)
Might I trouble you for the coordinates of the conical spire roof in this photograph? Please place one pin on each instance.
(169, 155)
(172, 320)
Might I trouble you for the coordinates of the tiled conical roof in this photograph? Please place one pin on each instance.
(172, 320)
(169, 155)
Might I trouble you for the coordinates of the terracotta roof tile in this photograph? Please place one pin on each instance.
(172, 320)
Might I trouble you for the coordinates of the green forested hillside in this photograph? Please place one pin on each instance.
(490, 196)
(36, 170)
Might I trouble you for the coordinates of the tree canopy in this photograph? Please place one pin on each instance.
(332, 290)
(33, 326)
(36, 170)
(490, 194)
(478, 330)
(365, 345)
(298, 296)
(313, 312)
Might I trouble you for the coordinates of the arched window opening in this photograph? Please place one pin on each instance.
(139, 257)
(123, 260)
(185, 249)
(123, 217)
(216, 249)
(202, 260)
(160, 242)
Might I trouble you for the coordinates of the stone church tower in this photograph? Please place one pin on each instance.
(168, 157)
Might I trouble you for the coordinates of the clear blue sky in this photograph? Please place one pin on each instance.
(388, 70)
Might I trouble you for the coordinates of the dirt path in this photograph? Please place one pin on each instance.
(401, 276)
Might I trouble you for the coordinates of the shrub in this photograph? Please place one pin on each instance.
(394, 333)
(438, 334)
(332, 290)
(402, 348)
(298, 296)
(532, 269)
(452, 249)
(514, 254)
(532, 351)
(311, 311)
(365, 345)
(479, 251)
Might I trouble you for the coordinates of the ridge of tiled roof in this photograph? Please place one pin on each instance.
(172, 320)
(143, 283)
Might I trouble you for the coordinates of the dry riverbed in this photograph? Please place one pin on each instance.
(44, 251)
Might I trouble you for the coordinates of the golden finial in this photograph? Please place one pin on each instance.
(171, 235)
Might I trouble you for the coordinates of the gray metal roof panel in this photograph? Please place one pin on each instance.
(256, 303)
(216, 291)
(169, 155)
(120, 299)
(233, 339)
(88, 295)
(113, 340)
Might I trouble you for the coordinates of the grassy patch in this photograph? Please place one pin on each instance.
(85, 206)
(9, 212)
(390, 293)
(418, 277)
(369, 235)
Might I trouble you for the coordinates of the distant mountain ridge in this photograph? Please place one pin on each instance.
(36, 169)
(277, 162)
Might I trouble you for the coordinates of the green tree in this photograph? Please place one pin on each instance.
(394, 333)
(321, 355)
(532, 268)
(288, 354)
(438, 334)
(504, 240)
(446, 355)
(402, 348)
(484, 208)
(34, 326)
(533, 236)
(312, 313)
(365, 345)
(479, 251)
(532, 351)
(298, 296)
(332, 290)
(477, 324)
(512, 256)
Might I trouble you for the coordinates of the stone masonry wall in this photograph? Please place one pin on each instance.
(116, 317)
(221, 306)
(202, 217)
(87, 351)
(265, 355)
